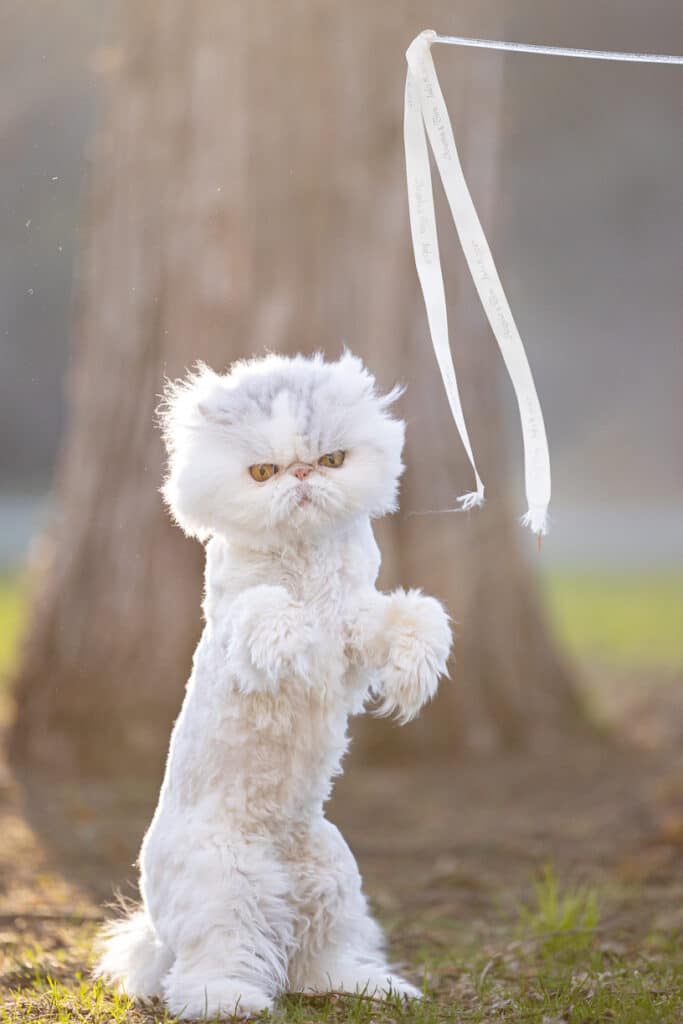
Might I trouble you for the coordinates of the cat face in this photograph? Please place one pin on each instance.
(279, 449)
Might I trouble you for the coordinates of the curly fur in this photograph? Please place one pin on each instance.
(247, 890)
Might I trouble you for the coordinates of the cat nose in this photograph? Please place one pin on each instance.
(301, 472)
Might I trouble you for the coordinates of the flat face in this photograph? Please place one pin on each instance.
(281, 445)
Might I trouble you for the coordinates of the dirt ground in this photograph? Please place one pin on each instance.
(451, 846)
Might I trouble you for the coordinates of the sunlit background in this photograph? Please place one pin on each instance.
(587, 236)
(576, 170)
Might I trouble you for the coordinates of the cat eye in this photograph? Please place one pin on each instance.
(263, 471)
(333, 459)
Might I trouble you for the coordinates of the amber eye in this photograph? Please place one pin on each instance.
(263, 471)
(333, 459)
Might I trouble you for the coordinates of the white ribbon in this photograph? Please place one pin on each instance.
(428, 263)
(425, 108)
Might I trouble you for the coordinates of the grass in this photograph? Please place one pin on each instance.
(11, 618)
(560, 919)
(555, 965)
(619, 620)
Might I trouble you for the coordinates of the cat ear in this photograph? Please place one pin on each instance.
(387, 400)
(214, 410)
(209, 397)
(356, 369)
(200, 397)
(353, 364)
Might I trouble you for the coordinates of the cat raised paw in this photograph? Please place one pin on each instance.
(419, 640)
(270, 639)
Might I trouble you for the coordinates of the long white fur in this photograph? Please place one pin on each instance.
(247, 890)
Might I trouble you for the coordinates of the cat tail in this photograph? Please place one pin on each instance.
(131, 957)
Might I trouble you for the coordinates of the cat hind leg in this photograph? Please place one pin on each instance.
(342, 949)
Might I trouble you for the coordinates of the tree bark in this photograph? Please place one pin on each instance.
(248, 193)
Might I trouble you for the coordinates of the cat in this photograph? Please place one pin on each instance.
(247, 890)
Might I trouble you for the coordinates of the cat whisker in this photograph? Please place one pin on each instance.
(433, 512)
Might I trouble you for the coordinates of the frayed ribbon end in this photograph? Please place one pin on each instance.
(536, 519)
(475, 499)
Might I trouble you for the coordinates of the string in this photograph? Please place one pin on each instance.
(559, 51)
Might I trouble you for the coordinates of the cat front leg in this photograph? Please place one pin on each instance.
(340, 947)
(270, 638)
(416, 641)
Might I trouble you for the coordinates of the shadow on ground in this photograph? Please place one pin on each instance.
(461, 840)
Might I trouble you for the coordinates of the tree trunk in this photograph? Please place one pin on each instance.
(248, 193)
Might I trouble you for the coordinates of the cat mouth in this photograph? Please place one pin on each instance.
(303, 500)
(307, 497)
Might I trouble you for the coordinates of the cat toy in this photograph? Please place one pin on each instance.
(426, 118)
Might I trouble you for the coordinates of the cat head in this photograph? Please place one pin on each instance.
(279, 448)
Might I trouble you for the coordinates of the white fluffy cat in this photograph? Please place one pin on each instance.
(247, 890)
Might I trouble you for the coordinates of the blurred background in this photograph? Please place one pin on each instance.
(213, 180)
(586, 227)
